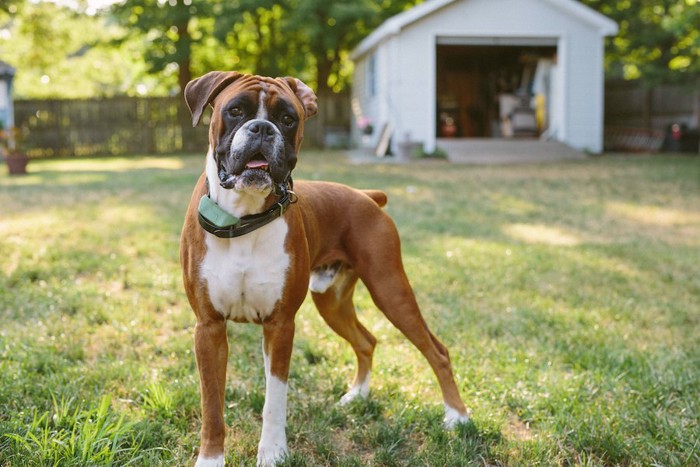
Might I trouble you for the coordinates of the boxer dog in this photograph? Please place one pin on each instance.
(253, 243)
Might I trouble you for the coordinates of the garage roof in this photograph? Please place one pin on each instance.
(395, 24)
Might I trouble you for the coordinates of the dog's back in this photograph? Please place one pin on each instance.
(342, 215)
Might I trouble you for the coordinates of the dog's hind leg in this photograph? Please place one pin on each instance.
(395, 299)
(338, 310)
(381, 270)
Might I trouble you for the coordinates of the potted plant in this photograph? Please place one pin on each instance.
(408, 148)
(365, 126)
(10, 150)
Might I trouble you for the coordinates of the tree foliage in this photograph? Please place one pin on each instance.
(170, 28)
(157, 46)
(310, 39)
(58, 51)
(659, 40)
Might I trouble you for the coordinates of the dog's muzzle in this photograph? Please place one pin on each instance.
(255, 157)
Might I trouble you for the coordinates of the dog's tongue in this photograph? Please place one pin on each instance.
(256, 164)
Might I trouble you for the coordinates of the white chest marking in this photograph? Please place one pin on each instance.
(245, 275)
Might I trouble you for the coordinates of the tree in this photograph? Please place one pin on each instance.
(255, 31)
(75, 62)
(310, 39)
(330, 30)
(9, 7)
(659, 40)
(170, 28)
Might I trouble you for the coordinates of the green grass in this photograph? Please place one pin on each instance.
(568, 294)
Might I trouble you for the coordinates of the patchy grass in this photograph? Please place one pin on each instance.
(568, 293)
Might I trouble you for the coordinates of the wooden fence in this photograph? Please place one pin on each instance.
(638, 118)
(130, 125)
(630, 104)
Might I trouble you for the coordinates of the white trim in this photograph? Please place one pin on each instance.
(431, 140)
(394, 25)
(551, 39)
(502, 39)
(564, 96)
(501, 34)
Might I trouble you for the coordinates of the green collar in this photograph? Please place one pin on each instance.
(220, 223)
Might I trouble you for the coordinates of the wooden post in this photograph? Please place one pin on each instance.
(647, 109)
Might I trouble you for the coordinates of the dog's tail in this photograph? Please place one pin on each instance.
(377, 196)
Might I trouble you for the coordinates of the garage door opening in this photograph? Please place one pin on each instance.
(496, 91)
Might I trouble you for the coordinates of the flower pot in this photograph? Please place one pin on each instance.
(17, 163)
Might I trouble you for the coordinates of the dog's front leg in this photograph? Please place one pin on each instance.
(211, 350)
(278, 336)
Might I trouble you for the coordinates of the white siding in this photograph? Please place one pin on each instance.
(406, 66)
(376, 108)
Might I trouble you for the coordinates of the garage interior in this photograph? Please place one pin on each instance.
(495, 91)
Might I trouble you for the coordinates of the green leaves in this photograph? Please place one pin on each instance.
(658, 41)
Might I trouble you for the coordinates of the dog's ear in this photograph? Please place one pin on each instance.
(201, 91)
(305, 95)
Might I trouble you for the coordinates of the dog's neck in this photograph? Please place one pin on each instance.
(237, 203)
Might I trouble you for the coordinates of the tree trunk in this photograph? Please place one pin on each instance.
(647, 110)
(184, 53)
(323, 73)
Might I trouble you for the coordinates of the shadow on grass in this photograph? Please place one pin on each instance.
(370, 432)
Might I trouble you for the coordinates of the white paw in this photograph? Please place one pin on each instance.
(269, 456)
(217, 461)
(453, 418)
(360, 390)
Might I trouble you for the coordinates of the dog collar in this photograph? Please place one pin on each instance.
(220, 223)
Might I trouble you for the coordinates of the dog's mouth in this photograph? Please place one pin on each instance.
(258, 162)
(255, 175)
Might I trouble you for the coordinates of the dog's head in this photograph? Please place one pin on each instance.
(257, 125)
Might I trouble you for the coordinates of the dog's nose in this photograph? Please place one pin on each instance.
(261, 127)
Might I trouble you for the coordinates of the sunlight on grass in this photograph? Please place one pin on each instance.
(38, 180)
(538, 233)
(512, 204)
(23, 227)
(653, 215)
(113, 164)
(567, 295)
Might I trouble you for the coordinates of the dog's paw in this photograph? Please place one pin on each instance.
(269, 456)
(453, 418)
(217, 461)
(357, 391)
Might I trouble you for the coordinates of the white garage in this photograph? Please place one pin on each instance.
(483, 69)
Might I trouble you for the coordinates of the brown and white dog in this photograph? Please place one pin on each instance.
(320, 236)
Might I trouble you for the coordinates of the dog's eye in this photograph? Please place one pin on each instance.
(235, 111)
(288, 120)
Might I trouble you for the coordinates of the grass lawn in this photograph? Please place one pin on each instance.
(568, 294)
